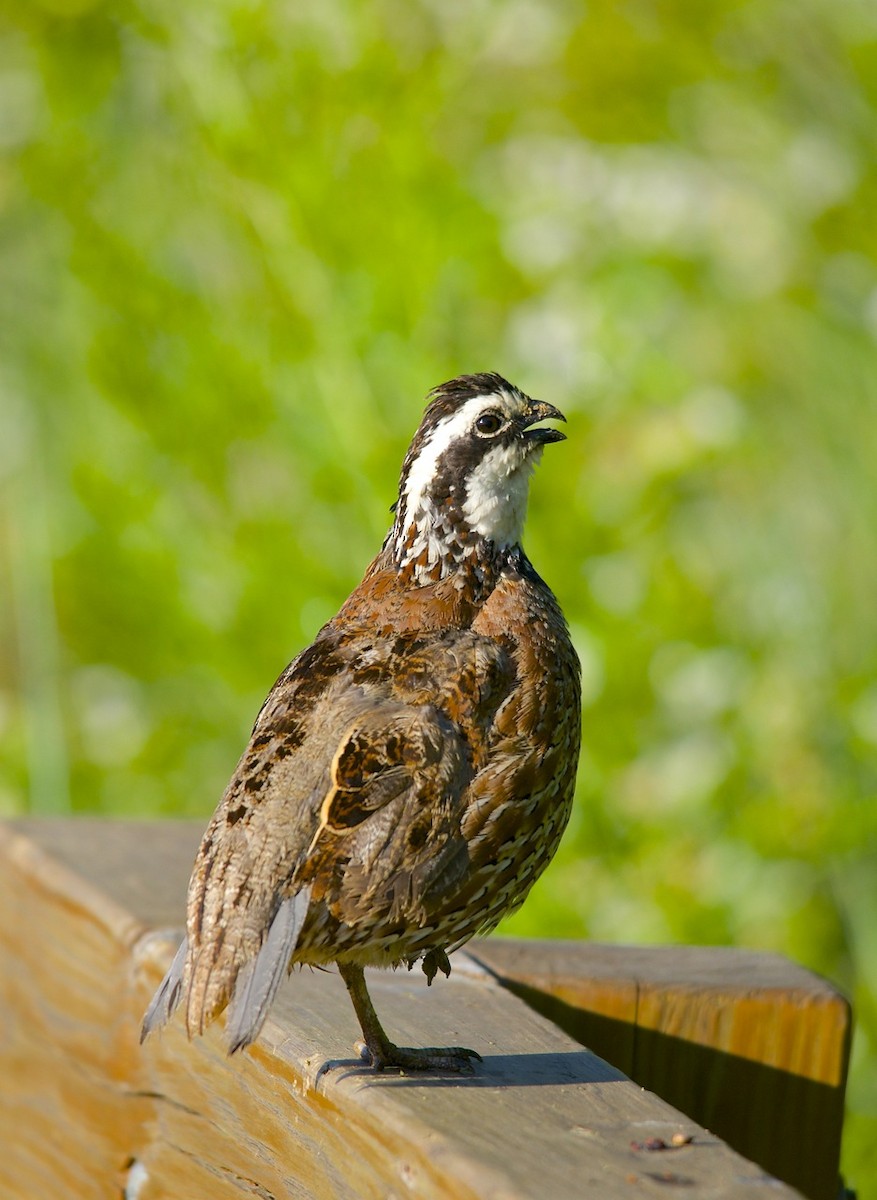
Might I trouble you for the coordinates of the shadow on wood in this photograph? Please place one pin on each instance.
(789, 1124)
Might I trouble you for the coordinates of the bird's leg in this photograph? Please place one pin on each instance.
(381, 1050)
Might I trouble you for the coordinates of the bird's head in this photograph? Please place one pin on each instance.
(464, 482)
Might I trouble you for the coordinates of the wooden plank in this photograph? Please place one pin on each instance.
(749, 1044)
(88, 1113)
(64, 1052)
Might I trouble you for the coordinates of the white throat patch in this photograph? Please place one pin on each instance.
(496, 494)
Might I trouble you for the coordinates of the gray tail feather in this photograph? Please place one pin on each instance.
(167, 997)
(260, 978)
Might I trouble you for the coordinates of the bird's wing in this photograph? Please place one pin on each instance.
(344, 813)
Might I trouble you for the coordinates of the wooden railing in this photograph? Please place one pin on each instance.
(749, 1045)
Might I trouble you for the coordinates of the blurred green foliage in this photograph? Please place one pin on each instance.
(241, 239)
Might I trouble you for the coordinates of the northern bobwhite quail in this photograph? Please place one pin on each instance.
(411, 772)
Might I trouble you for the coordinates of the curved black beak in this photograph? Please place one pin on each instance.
(538, 410)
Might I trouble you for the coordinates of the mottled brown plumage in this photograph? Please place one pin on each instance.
(411, 773)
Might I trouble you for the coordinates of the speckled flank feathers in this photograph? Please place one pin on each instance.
(411, 773)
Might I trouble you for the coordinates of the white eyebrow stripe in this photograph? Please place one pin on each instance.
(445, 433)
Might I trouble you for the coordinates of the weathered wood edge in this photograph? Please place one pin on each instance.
(632, 983)
(267, 1112)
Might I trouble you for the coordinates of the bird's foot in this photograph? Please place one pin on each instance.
(386, 1056)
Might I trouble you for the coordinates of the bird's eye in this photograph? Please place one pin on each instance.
(489, 423)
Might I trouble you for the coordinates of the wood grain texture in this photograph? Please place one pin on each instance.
(84, 915)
